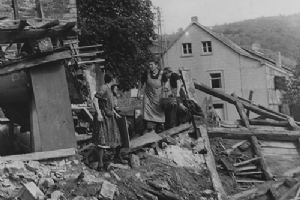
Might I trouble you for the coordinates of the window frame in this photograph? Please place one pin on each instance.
(223, 108)
(216, 78)
(189, 50)
(207, 47)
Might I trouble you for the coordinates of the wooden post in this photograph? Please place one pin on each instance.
(39, 9)
(257, 150)
(250, 99)
(16, 9)
(241, 111)
(211, 165)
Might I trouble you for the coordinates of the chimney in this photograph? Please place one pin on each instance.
(256, 47)
(278, 60)
(194, 19)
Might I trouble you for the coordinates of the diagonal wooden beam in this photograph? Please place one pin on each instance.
(240, 108)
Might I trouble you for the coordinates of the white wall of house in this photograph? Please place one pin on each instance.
(240, 74)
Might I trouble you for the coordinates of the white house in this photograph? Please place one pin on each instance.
(220, 63)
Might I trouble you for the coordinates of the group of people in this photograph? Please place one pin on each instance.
(164, 98)
(164, 106)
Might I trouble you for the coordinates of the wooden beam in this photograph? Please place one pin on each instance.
(250, 99)
(91, 61)
(263, 122)
(235, 146)
(39, 9)
(264, 167)
(248, 173)
(211, 165)
(35, 61)
(252, 107)
(240, 109)
(61, 153)
(249, 181)
(15, 36)
(16, 9)
(88, 47)
(243, 134)
(246, 168)
(246, 162)
(149, 138)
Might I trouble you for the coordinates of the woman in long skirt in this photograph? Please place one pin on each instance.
(107, 134)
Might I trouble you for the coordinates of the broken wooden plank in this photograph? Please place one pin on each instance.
(248, 173)
(176, 130)
(61, 153)
(211, 165)
(264, 167)
(246, 168)
(91, 61)
(283, 145)
(153, 137)
(235, 146)
(263, 122)
(88, 47)
(249, 181)
(246, 162)
(243, 134)
(91, 54)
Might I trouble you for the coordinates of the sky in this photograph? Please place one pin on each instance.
(177, 13)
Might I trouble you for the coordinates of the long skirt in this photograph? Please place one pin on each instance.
(106, 132)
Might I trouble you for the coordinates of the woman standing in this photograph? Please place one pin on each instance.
(107, 133)
(153, 113)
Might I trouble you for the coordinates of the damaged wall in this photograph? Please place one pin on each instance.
(53, 9)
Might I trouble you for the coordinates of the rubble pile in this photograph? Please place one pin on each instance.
(170, 169)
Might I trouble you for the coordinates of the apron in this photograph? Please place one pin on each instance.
(152, 110)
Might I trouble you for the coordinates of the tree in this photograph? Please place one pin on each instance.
(292, 94)
(125, 28)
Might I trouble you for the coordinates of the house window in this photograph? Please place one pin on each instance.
(186, 48)
(280, 83)
(216, 80)
(219, 108)
(206, 47)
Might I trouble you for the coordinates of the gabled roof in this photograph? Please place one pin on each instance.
(266, 59)
(236, 48)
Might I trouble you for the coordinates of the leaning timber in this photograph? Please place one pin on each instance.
(247, 105)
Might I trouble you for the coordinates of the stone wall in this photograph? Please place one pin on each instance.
(52, 9)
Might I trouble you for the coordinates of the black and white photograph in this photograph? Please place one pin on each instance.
(149, 99)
